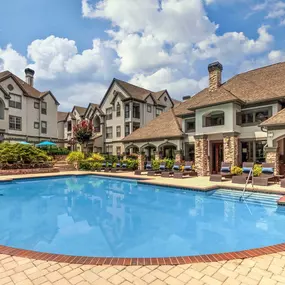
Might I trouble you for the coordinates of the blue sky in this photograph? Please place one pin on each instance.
(77, 46)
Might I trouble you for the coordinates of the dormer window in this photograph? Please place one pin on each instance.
(118, 110)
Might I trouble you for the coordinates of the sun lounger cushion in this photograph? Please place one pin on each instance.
(187, 167)
(124, 165)
(246, 169)
(118, 165)
(162, 167)
(148, 166)
(104, 164)
(226, 169)
(176, 167)
(109, 164)
(268, 170)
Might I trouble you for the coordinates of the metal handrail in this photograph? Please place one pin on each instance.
(246, 183)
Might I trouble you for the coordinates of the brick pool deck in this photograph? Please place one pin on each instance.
(260, 270)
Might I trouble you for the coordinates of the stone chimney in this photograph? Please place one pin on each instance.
(215, 75)
(30, 76)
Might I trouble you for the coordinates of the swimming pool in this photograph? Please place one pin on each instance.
(105, 217)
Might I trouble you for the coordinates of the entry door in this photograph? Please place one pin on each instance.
(217, 157)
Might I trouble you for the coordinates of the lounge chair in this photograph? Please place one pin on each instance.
(148, 167)
(267, 174)
(162, 167)
(246, 168)
(175, 168)
(117, 168)
(187, 171)
(225, 172)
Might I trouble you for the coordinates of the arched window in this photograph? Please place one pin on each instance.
(118, 110)
(97, 124)
(215, 118)
(2, 109)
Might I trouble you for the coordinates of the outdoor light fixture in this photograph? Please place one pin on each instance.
(270, 134)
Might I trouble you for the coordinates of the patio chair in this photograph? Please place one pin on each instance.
(117, 167)
(225, 172)
(246, 168)
(187, 171)
(148, 167)
(175, 168)
(267, 174)
(162, 167)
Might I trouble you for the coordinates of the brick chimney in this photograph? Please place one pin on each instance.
(215, 75)
(30, 76)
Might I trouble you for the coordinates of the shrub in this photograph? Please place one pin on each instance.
(257, 169)
(131, 163)
(110, 158)
(75, 157)
(21, 156)
(168, 163)
(97, 157)
(56, 150)
(89, 165)
(236, 170)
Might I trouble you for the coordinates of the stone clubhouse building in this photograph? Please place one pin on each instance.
(240, 120)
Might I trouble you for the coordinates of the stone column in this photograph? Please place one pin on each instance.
(178, 155)
(272, 156)
(230, 143)
(156, 155)
(201, 155)
(141, 161)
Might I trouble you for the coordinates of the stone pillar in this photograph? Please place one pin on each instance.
(156, 155)
(201, 155)
(230, 143)
(141, 161)
(178, 155)
(272, 156)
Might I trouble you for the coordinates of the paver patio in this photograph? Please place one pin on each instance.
(261, 270)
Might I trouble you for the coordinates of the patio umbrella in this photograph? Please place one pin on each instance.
(46, 143)
(24, 143)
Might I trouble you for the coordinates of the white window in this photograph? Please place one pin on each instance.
(109, 132)
(15, 123)
(149, 108)
(44, 127)
(158, 112)
(118, 131)
(36, 125)
(15, 101)
(118, 110)
(2, 110)
(36, 105)
(109, 114)
(109, 149)
(44, 108)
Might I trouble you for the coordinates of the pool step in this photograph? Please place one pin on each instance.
(249, 197)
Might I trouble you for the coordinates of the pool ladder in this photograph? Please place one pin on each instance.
(246, 183)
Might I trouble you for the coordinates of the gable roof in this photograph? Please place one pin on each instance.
(254, 86)
(167, 125)
(61, 116)
(80, 110)
(136, 92)
(277, 120)
(27, 89)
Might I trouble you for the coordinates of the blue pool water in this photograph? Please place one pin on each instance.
(96, 216)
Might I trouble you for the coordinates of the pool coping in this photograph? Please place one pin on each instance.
(177, 260)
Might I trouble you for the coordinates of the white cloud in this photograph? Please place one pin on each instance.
(11, 60)
(233, 47)
(172, 80)
(276, 56)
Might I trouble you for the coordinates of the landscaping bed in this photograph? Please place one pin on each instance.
(27, 171)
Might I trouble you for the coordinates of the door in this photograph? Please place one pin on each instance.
(217, 157)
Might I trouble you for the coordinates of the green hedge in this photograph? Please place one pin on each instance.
(21, 156)
(168, 163)
(56, 151)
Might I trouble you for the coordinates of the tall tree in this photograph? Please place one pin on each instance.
(82, 132)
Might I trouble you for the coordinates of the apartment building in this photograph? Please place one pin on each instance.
(26, 114)
(123, 109)
(236, 121)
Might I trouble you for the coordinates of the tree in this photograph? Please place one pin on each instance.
(82, 132)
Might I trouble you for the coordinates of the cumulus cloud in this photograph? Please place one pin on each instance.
(172, 80)
(11, 60)
(276, 56)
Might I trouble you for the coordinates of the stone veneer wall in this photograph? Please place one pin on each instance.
(272, 156)
(230, 143)
(141, 161)
(201, 155)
